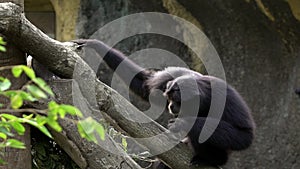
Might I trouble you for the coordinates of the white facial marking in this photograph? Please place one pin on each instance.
(169, 107)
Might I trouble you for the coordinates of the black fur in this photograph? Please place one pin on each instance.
(235, 130)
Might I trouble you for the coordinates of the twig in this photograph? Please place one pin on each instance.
(34, 111)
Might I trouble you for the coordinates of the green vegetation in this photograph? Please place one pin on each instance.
(34, 90)
(2, 43)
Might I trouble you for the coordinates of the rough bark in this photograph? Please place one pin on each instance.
(84, 153)
(98, 159)
(61, 60)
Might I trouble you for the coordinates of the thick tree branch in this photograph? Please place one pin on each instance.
(26, 36)
(62, 61)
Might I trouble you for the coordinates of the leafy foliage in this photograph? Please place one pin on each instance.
(2, 43)
(87, 127)
(36, 89)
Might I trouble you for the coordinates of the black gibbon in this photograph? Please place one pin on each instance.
(235, 130)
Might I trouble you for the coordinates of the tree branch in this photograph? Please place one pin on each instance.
(33, 111)
(62, 60)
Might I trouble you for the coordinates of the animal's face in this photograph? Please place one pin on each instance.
(182, 92)
(172, 93)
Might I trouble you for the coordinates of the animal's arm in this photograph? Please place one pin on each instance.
(132, 74)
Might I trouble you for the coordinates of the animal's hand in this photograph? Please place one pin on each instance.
(84, 42)
(80, 42)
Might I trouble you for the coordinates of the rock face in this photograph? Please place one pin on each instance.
(258, 43)
(261, 59)
(95, 14)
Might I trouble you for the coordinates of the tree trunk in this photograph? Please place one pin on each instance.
(15, 158)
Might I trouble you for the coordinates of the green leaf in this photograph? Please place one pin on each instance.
(3, 120)
(2, 41)
(84, 132)
(27, 117)
(10, 93)
(100, 130)
(17, 71)
(54, 124)
(18, 127)
(52, 114)
(9, 116)
(43, 129)
(61, 112)
(1, 105)
(41, 120)
(27, 96)
(71, 110)
(36, 92)
(6, 131)
(48, 90)
(39, 81)
(4, 84)
(15, 144)
(29, 72)
(16, 101)
(91, 137)
(2, 49)
(43, 85)
(53, 105)
(88, 125)
(87, 128)
(124, 143)
(81, 130)
(3, 136)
